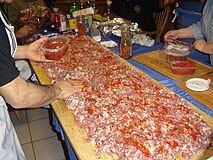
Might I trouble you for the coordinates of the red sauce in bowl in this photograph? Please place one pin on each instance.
(184, 64)
(55, 47)
(183, 67)
(54, 44)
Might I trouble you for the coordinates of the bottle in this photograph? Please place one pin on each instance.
(81, 5)
(88, 4)
(72, 20)
(73, 8)
(125, 44)
(87, 23)
(90, 17)
(81, 25)
(107, 14)
(62, 22)
(54, 19)
(94, 6)
(68, 21)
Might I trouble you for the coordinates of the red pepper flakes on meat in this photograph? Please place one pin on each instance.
(123, 112)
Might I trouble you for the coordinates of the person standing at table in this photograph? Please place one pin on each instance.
(202, 32)
(17, 92)
(26, 16)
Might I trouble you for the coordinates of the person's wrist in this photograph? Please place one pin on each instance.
(26, 50)
(205, 48)
(57, 92)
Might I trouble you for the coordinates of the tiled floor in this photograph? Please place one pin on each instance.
(38, 140)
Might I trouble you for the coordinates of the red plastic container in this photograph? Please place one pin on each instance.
(55, 47)
(183, 67)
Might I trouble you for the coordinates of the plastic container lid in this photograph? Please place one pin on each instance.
(177, 48)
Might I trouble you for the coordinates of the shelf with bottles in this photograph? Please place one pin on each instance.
(100, 5)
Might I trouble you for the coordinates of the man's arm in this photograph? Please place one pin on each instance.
(22, 94)
(196, 30)
(179, 33)
(32, 51)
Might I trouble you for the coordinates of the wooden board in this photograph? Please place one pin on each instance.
(155, 61)
(205, 97)
(77, 135)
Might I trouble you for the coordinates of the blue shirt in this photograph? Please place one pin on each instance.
(204, 28)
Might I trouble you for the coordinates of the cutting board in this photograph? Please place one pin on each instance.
(78, 136)
(155, 61)
(205, 97)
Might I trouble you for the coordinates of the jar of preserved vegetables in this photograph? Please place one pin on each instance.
(125, 44)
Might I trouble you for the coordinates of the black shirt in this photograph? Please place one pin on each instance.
(139, 11)
(8, 70)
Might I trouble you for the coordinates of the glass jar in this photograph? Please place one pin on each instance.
(125, 44)
(81, 25)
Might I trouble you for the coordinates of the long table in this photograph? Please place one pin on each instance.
(63, 120)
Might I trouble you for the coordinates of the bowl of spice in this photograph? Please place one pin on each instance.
(183, 67)
(55, 47)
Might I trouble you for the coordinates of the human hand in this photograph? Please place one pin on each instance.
(171, 35)
(33, 51)
(200, 45)
(179, 33)
(25, 31)
(68, 88)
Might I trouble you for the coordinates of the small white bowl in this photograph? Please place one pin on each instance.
(198, 84)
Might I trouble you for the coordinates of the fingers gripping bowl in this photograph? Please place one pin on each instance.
(55, 47)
